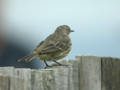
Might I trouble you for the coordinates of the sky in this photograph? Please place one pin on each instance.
(96, 23)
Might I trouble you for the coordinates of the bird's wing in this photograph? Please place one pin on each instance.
(40, 44)
(55, 47)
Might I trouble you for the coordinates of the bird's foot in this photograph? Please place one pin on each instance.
(60, 64)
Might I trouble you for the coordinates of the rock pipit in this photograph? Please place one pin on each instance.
(54, 47)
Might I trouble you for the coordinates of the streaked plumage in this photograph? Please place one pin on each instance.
(54, 47)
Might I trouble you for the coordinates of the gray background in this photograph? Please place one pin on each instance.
(96, 23)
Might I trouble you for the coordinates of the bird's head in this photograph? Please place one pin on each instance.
(63, 29)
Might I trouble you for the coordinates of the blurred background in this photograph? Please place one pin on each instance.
(24, 23)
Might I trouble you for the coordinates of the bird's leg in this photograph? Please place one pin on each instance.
(46, 64)
(58, 63)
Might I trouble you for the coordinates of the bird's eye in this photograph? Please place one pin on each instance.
(68, 29)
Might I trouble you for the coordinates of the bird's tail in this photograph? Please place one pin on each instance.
(27, 58)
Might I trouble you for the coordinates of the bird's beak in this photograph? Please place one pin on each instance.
(72, 30)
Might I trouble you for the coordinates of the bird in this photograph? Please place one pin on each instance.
(56, 46)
